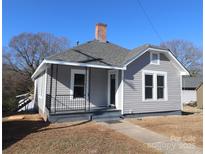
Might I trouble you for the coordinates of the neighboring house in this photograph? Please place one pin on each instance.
(199, 96)
(100, 75)
(189, 85)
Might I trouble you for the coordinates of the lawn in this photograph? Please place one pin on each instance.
(187, 128)
(29, 134)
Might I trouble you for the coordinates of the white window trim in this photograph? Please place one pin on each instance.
(158, 58)
(78, 71)
(116, 87)
(154, 91)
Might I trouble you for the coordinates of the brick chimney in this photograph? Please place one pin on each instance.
(100, 32)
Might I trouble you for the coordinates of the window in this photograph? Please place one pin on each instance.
(160, 87)
(79, 85)
(154, 58)
(154, 86)
(148, 86)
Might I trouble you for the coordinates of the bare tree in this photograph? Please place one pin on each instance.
(13, 83)
(187, 53)
(27, 50)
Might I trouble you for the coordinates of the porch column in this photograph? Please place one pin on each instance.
(87, 91)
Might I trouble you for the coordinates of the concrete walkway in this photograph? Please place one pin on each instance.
(152, 139)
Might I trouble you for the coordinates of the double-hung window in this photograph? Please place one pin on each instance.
(160, 87)
(148, 86)
(154, 86)
(78, 83)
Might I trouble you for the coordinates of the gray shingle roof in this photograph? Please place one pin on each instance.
(191, 82)
(140, 49)
(100, 53)
(94, 52)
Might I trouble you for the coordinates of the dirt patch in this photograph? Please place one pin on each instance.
(27, 136)
(187, 128)
(31, 117)
(190, 109)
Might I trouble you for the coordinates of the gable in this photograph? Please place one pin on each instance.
(143, 63)
(167, 53)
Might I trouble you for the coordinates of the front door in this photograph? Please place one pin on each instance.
(112, 89)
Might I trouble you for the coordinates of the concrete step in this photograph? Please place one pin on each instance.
(105, 116)
(69, 118)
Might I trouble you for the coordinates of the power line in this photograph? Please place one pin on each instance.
(149, 20)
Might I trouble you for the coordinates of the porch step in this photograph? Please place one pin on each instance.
(102, 115)
(69, 117)
(106, 116)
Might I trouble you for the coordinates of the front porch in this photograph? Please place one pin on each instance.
(72, 89)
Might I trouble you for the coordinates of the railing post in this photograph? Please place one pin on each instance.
(86, 75)
(51, 82)
(89, 77)
(56, 85)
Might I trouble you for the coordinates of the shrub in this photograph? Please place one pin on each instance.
(9, 105)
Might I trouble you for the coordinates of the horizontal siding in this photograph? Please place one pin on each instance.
(133, 86)
(40, 87)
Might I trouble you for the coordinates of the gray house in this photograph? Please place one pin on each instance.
(101, 77)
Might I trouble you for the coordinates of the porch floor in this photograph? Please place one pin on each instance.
(92, 110)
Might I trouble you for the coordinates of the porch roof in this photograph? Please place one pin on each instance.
(46, 63)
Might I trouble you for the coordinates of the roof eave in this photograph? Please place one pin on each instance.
(42, 67)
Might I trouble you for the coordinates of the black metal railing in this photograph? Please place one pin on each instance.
(65, 103)
(48, 102)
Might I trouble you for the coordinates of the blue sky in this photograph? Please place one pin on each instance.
(127, 24)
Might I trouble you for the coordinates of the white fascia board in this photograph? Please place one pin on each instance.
(83, 65)
(37, 70)
(183, 71)
(73, 64)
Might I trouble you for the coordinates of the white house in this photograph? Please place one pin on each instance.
(189, 85)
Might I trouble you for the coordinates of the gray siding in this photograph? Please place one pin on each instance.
(133, 86)
(98, 84)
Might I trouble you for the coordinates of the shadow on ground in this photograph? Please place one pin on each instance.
(62, 127)
(187, 113)
(15, 130)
